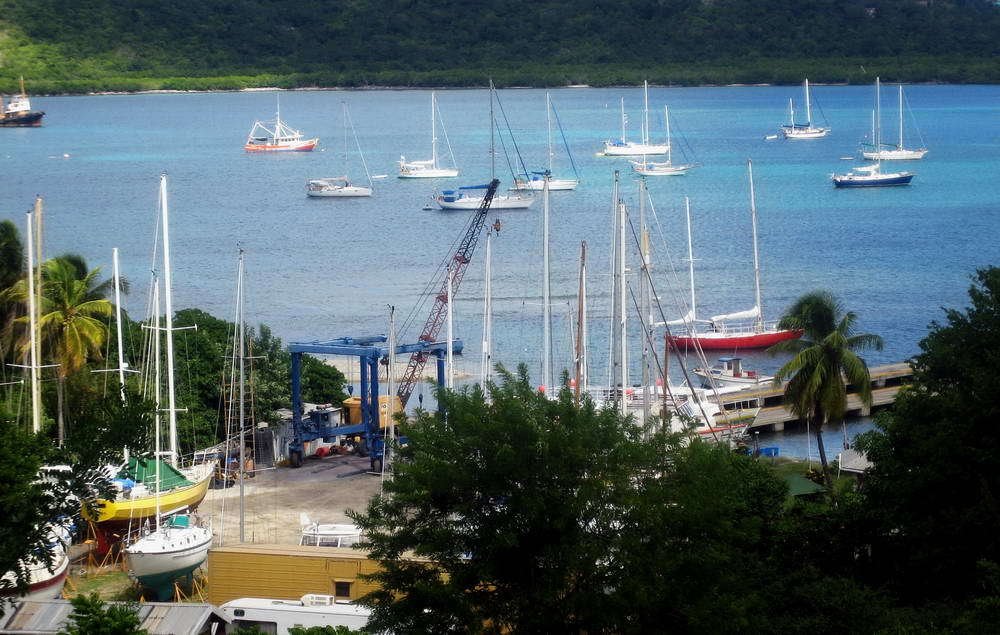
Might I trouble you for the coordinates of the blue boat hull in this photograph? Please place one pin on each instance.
(882, 182)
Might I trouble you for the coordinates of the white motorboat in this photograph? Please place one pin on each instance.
(729, 372)
(276, 136)
(429, 168)
(871, 176)
(885, 151)
(625, 148)
(803, 130)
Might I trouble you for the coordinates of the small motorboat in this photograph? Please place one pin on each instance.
(871, 176)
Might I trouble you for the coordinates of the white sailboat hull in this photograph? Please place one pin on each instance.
(322, 189)
(895, 155)
(416, 171)
(805, 133)
(632, 149)
(537, 185)
(660, 169)
(473, 202)
(164, 555)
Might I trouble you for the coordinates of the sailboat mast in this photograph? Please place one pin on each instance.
(546, 299)
(670, 146)
(36, 413)
(157, 451)
(690, 258)
(347, 152)
(118, 322)
(759, 321)
(791, 113)
(434, 138)
(622, 311)
(623, 119)
(878, 118)
(900, 117)
(645, 300)
(493, 125)
(645, 112)
(450, 379)
(241, 333)
(581, 328)
(809, 116)
(168, 301)
(548, 125)
(485, 367)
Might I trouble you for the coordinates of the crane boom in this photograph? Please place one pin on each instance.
(459, 262)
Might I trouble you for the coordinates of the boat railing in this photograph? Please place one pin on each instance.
(748, 327)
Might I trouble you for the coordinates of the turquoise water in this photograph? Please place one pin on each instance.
(324, 268)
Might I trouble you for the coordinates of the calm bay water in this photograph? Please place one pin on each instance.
(320, 269)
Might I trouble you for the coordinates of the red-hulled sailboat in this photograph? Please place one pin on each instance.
(730, 331)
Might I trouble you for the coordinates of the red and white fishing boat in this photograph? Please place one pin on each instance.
(730, 331)
(275, 136)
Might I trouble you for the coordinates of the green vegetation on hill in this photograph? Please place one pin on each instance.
(187, 44)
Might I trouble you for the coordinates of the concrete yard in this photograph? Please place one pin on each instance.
(274, 499)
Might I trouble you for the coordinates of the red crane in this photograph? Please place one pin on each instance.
(459, 262)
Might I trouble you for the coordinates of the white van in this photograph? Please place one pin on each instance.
(275, 617)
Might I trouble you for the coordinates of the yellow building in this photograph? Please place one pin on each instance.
(286, 572)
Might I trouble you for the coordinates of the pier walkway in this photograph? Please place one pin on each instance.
(773, 415)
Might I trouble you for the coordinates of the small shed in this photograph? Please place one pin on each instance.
(41, 617)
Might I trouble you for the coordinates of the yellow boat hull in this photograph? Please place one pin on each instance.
(140, 507)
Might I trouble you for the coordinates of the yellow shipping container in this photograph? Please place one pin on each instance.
(353, 405)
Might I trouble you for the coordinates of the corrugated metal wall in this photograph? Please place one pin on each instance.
(283, 572)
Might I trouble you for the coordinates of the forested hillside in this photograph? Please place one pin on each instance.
(143, 43)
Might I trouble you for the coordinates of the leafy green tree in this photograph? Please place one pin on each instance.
(91, 616)
(824, 357)
(936, 475)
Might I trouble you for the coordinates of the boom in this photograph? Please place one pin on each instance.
(459, 261)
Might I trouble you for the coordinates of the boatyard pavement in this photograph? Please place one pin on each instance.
(275, 498)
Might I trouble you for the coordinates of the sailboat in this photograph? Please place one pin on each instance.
(720, 332)
(276, 136)
(44, 582)
(429, 168)
(803, 130)
(536, 180)
(341, 186)
(872, 175)
(179, 543)
(888, 152)
(468, 198)
(664, 168)
(625, 148)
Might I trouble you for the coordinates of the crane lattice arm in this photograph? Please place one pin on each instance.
(459, 262)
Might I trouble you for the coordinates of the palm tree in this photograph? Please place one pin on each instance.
(822, 360)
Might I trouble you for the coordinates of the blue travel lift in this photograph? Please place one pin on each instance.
(370, 353)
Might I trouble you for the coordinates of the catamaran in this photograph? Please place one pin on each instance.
(430, 168)
(803, 130)
(731, 331)
(625, 148)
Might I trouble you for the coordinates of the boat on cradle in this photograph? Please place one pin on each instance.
(536, 180)
(44, 582)
(730, 331)
(17, 113)
(177, 547)
(318, 534)
(276, 136)
(729, 372)
(885, 151)
(430, 168)
(803, 130)
(625, 148)
(341, 186)
(663, 168)
(310, 611)
(871, 176)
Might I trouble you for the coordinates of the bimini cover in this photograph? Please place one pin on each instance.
(143, 470)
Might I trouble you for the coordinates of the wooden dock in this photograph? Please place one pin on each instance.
(773, 415)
